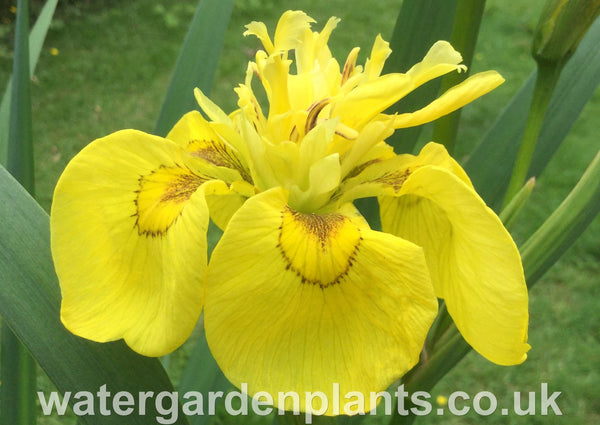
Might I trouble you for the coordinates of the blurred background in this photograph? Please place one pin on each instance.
(106, 66)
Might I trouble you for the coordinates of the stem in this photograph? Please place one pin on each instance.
(511, 211)
(426, 375)
(547, 77)
(438, 329)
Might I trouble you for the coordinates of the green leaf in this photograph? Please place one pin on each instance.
(565, 224)
(202, 374)
(19, 161)
(420, 23)
(579, 79)
(197, 62)
(511, 212)
(18, 381)
(36, 41)
(30, 302)
(547, 77)
(18, 368)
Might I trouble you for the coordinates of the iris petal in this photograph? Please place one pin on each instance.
(455, 98)
(474, 263)
(385, 176)
(143, 218)
(298, 293)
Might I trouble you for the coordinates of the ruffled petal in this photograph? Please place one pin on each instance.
(441, 58)
(128, 227)
(385, 176)
(193, 133)
(379, 54)
(290, 30)
(367, 100)
(298, 302)
(474, 263)
(453, 99)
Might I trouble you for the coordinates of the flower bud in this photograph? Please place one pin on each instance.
(561, 27)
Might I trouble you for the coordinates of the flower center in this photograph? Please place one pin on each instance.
(320, 249)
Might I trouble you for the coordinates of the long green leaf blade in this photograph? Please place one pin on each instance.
(577, 84)
(30, 302)
(202, 374)
(19, 161)
(197, 62)
(18, 381)
(18, 373)
(36, 41)
(565, 224)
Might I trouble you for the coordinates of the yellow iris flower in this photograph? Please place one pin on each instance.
(299, 292)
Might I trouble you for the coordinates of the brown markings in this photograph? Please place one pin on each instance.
(349, 66)
(294, 136)
(182, 186)
(395, 179)
(218, 154)
(313, 112)
(360, 168)
(322, 227)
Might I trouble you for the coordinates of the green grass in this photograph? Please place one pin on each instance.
(113, 69)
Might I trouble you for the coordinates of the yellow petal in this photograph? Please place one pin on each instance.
(128, 227)
(259, 29)
(386, 176)
(195, 135)
(297, 302)
(439, 60)
(453, 99)
(379, 53)
(322, 54)
(274, 76)
(367, 100)
(474, 263)
(223, 205)
(435, 154)
(290, 30)
(215, 113)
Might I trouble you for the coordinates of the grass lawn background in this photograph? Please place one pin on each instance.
(112, 69)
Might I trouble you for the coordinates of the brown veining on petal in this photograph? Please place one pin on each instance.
(313, 113)
(394, 179)
(161, 197)
(350, 65)
(219, 154)
(319, 248)
(360, 168)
